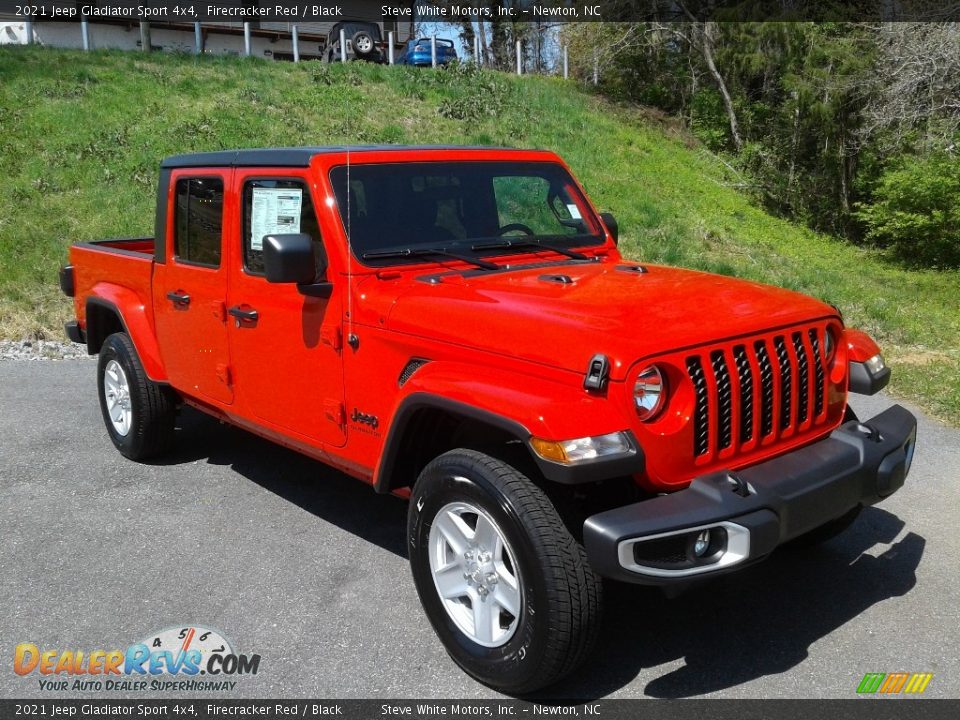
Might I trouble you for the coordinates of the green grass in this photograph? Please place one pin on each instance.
(81, 136)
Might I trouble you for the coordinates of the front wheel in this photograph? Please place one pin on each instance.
(139, 414)
(506, 587)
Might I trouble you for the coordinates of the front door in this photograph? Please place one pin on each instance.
(189, 288)
(285, 346)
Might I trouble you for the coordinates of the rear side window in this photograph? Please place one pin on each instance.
(198, 221)
(274, 207)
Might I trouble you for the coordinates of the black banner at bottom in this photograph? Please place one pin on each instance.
(865, 708)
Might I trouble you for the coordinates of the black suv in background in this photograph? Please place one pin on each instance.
(363, 41)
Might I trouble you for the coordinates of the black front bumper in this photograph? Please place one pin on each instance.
(753, 510)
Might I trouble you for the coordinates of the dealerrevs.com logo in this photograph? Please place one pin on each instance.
(190, 658)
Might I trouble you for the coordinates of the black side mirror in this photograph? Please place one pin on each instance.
(612, 226)
(295, 258)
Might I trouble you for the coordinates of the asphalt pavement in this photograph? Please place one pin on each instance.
(306, 567)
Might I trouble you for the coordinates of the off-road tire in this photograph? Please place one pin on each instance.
(562, 596)
(153, 405)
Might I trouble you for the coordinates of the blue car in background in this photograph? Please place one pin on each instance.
(417, 52)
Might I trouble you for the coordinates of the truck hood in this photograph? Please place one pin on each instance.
(604, 308)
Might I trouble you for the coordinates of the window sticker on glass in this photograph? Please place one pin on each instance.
(574, 211)
(274, 212)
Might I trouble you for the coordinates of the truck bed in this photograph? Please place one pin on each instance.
(136, 246)
(110, 270)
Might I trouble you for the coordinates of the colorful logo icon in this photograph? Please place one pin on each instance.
(894, 683)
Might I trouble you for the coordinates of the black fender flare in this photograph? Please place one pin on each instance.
(590, 471)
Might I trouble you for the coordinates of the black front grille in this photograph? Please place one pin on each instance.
(773, 383)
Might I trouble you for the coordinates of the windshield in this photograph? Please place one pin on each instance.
(458, 205)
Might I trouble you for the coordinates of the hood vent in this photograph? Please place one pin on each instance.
(560, 279)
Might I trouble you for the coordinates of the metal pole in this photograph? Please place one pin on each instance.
(28, 31)
(596, 68)
(433, 51)
(519, 65)
(246, 39)
(566, 64)
(197, 39)
(296, 45)
(390, 47)
(85, 32)
(145, 37)
(343, 45)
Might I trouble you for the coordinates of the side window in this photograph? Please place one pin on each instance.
(274, 207)
(198, 221)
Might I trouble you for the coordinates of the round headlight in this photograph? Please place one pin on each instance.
(649, 393)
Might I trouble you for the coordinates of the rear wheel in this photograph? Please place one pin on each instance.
(506, 587)
(138, 413)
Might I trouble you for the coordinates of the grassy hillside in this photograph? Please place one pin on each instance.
(81, 135)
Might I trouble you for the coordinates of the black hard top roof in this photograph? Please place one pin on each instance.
(289, 157)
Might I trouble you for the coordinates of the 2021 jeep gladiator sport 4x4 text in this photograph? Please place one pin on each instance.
(457, 325)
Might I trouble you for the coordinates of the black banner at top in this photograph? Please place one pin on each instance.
(457, 11)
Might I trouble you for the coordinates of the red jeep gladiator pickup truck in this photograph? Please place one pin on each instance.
(457, 325)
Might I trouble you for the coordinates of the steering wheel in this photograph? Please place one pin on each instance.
(513, 227)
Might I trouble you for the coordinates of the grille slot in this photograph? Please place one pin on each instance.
(757, 390)
(745, 374)
(818, 374)
(803, 374)
(724, 400)
(766, 386)
(786, 381)
(701, 413)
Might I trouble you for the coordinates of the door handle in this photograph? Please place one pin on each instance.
(178, 298)
(250, 315)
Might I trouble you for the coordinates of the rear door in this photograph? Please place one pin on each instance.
(285, 346)
(190, 286)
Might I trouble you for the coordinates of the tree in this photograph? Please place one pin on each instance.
(706, 33)
(916, 211)
(916, 100)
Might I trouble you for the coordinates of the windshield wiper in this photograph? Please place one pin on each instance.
(519, 242)
(436, 252)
